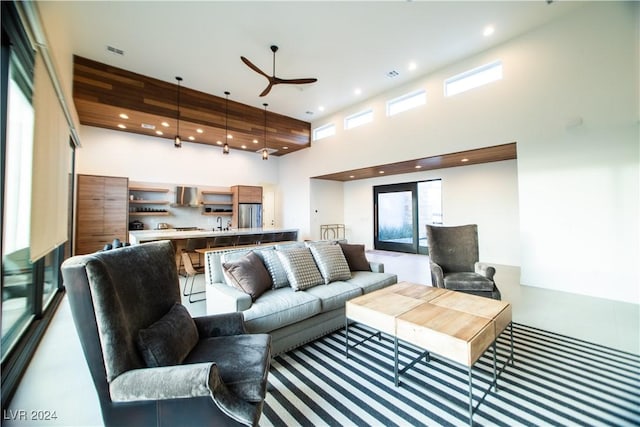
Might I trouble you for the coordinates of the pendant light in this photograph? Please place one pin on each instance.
(225, 147)
(265, 152)
(177, 142)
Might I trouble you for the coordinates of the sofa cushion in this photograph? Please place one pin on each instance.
(280, 307)
(301, 269)
(331, 263)
(355, 257)
(467, 281)
(240, 360)
(335, 294)
(370, 281)
(169, 340)
(248, 274)
(274, 267)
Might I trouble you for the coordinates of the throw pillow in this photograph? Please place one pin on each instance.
(355, 257)
(331, 263)
(274, 267)
(301, 269)
(169, 340)
(248, 274)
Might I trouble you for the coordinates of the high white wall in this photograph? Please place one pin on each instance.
(569, 98)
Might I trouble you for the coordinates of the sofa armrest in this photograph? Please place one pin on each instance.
(486, 270)
(218, 325)
(376, 267)
(222, 298)
(437, 276)
(179, 382)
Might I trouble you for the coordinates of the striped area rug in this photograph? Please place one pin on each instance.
(556, 380)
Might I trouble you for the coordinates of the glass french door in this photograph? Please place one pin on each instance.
(401, 213)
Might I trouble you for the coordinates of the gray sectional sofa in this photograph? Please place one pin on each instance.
(293, 306)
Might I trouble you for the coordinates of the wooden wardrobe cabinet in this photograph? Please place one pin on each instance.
(102, 212)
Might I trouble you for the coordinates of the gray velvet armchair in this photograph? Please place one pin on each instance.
(150, 361)
(453, 258)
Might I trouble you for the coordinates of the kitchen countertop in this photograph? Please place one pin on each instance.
(141, 236)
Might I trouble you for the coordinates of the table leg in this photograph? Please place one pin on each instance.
(396, 374)
(511, 359)
(346, 338)
(495, 375)
(470, 399)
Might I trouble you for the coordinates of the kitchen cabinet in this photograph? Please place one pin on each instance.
(102, 212)
(244, 194)
(148, 201)
(217, 203)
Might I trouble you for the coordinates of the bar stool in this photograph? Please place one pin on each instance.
(221, 241)
(191, 274)
(190, 248)
(246, 239)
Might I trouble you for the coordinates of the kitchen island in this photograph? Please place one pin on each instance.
(141, 236)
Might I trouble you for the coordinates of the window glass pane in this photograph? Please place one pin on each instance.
(473, 78)
(406, 102)
(358, 119)
(395, 217)
(50, 285)
(429, 207)
(324, 131)
(17, 289)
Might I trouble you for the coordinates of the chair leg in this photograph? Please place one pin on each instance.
(191, 293)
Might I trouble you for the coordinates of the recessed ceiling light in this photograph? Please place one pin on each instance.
(357, 91)
(255, 141)
(191, 138)
(229, 136)
(418, 167)
(464, 160)
(244, 147)
(285, 148)
(219, 142)
(123, 116)
(121, 126)
(199, 130)
(412, 66)
(381, 172)
(351, 176)
(488, 30)
(321, 108)
(159, 132)
(165, 124)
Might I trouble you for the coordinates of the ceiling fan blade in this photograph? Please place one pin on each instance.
(253, 67)
(296, 81)
(268, 88)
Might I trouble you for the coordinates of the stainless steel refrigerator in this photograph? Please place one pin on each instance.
(249, 215)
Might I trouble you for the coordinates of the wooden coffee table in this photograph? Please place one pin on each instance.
(454, 325)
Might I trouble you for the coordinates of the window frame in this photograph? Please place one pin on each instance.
(360, 114)
(407, 96)
(466, 75)
(319, 130)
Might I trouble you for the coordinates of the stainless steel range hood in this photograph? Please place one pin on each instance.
(186, 197)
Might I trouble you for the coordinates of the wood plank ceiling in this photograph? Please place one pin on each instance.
(463, 158)
(102, 93)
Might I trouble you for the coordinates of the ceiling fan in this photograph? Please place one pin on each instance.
(273, 80)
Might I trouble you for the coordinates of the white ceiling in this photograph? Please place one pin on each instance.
(345, 45)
